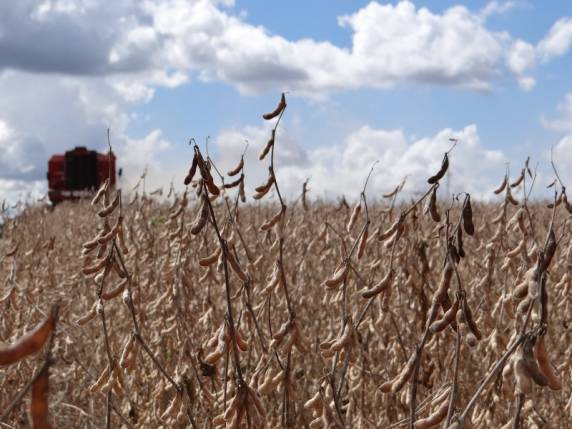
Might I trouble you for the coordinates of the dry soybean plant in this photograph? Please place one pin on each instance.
(207, 308)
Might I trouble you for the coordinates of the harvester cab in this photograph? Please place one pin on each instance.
(78, 173)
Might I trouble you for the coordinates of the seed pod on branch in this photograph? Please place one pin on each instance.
(380, 287)
(523, 381)
(392, 229)
(544, 364)
(444, 284)
(103, 188)
(90, 315)
(281, 106)
(96, 267)
(212, 188)
(434, 418)
(556, 203)
(235, 267)
(529, 363)
(549, 251)
(262, 190)
(192, 170)
(31, 342)
(439, 175)
(338, 277)
(401, 379)
(460, 249)
(354, 216)
(567, 204)
(431, 206)
(272, 221)
(241, 192)
(448, 317)
(39, 403)
(238, 168)
(469, 337)
(392, 193)
(363, 242)
(502, 186)
(268, 146)
(468, 216)
(519, 179)
(510, 198)
(470, 320)
(201, 219)
(107, 210)
(235, 183)
(210, 259)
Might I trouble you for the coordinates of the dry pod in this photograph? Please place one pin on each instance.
(39, 403)
(281, 106)
(431, 206)
(392, 229)
(268, 146)
(338, 276)
(439, 175)
(106, 211)
(510, 198)
(468, 216)
(235, 183)
(502, 186)
(353, 218)
(363, 242)
(566, 203)
(30, 342)
(434, 418)
(392, 193)
(201, 219)
(192, 170)
(262, 190)
(380, 287)
(519, 179)
(212, 188)
(102, 190)
(470, 320)
(544, 364)
(460, 249)
(238, 168)
(272, 221)
(446, 320)
(241, 192)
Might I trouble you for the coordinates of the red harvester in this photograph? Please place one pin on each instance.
(78, 173)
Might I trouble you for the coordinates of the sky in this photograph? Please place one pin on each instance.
(366, 81)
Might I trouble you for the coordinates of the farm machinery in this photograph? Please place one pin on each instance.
(78, 173)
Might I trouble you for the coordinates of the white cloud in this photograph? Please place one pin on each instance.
(13, 191)
(128, 39)
(137, 155)
(558, 40)
(342, 168)
(521, 56)
(562, 152)
(70, 69)
(497, 8)
(564, 121)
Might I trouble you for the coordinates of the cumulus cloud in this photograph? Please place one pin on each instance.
(71, 68)
(342, 168)
(182, 37)
(521, 56)
(564, 121)
(497, 8)
(558, 40)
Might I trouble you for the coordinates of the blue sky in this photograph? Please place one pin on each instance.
(366, 81)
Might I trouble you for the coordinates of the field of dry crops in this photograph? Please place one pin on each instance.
(201, 311)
